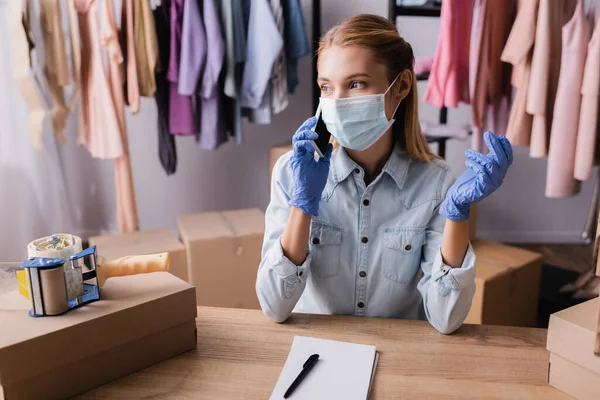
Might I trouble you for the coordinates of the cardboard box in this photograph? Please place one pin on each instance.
(572, 335)
(573, 379)
(223, 254)
(508, 283)
(140, 321)
(275, 153)
(142, 243)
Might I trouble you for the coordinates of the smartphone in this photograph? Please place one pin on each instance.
(320, 145)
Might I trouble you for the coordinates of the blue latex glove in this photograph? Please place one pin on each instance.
(310, 176)
(484, 174)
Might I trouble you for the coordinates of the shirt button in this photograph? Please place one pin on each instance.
(408, 247)
(364, 239)
(300, 273)
(361, 304)
(315, 240)
(356, 171)
(365, 202)
(362, 274)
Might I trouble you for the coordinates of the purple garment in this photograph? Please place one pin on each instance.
(212, 125)
(193, 49)
(181, 110)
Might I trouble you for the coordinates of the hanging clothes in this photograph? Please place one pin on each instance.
(127, 38)
(263, 113)
(448, 80)
(146, 47)
(279, 92)
(545, 70)
(74, 50)
(263, 46)
(167, 150)
(28, 70)
(588, 117)
(56, 68)
(181, 110)
(491, 79)
(234, 17)
(560, 181)
(210, 96)
(103, 103)
(193, 49)
(296, 41)
(35, 198)
(518, 51)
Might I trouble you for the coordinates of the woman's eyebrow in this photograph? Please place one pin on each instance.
(347, 78)
(358, 75)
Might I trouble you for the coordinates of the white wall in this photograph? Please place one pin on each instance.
(237, 177)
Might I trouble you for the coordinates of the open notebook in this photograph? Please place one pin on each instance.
(344, 370)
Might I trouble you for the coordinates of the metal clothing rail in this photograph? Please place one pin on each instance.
(429, 9)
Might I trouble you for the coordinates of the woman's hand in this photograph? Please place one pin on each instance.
(309, 176)
(484, 174)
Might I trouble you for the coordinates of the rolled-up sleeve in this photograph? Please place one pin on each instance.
(447, 292)
(280, 282)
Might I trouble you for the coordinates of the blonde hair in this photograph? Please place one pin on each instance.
(381, 37)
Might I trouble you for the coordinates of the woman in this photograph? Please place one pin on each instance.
(377, 227)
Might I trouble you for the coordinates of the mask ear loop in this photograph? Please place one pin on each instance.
(392, 120)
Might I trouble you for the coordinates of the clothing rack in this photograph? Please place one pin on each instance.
(430, 9)
(433, 9)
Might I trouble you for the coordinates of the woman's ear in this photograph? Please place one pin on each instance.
(403, 85)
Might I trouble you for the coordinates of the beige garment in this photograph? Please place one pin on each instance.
(56, 68)
(102, 102)
(491, 81)
(146, 47)
(588, 116)
(27, 74)
(563, 138)
(127, 40)
(518, 51)
(75, 54)
(545, 70)
(127, 216)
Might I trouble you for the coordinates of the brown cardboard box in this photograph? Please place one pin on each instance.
(572, 335)
(141, 320)
(508, 281)
(275, 153)
(142, 243)
(573, 379)
(223, 253)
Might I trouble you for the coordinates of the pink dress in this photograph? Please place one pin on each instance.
(449, 77)
(588, 117)
(104, 130)
(518, 52)
(490, 83)
(563, 138)
(545, 70)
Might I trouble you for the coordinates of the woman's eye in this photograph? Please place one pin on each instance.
(357, 85)
(325, 89)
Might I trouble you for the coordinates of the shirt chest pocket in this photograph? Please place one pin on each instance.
(402, 253)
(325, 243)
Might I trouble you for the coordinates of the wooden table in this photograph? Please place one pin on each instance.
(240, 354)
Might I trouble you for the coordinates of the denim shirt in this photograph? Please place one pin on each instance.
(374, 250)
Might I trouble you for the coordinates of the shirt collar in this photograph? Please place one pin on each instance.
(396, 166)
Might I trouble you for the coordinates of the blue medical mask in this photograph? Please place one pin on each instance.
(357, 122)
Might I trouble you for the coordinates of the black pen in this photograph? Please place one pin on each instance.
(308, 365)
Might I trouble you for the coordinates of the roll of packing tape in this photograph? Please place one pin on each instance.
(60, 245)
